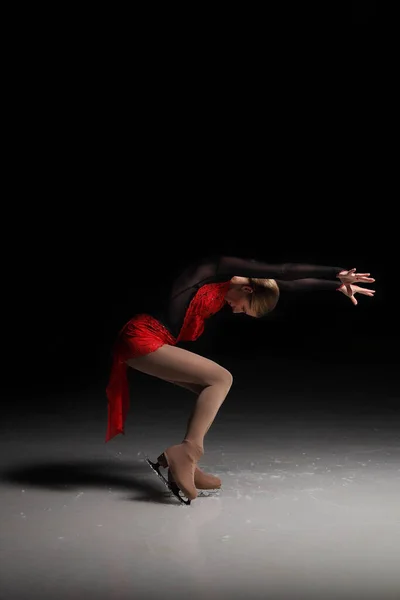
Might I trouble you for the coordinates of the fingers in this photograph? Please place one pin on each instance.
(364, 278)
(354, 276)
(357, 288)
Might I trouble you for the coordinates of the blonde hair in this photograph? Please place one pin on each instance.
(265, 295)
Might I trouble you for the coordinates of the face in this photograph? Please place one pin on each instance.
(238, 300)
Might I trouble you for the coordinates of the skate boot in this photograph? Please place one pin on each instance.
(181, 460)
(202, 481)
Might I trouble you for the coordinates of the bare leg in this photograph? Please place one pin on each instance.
(183, 367)
(192, 387)
(202, 480)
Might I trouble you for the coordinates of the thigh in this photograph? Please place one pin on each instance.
(181, 366)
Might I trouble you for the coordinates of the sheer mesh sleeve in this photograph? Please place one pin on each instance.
(308, 285)
(286, 271)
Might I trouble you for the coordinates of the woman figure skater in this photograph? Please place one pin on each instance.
(148, 343)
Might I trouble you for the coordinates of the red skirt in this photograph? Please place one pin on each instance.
(141, 335)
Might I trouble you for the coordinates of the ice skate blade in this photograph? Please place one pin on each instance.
(171, 486)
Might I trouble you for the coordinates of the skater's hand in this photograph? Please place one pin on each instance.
(350, 290)
(350, 277)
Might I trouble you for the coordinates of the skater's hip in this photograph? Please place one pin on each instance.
(141, 335)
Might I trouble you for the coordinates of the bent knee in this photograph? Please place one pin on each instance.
(225, 378)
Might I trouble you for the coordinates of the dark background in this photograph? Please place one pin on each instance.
(136, 142)
(140, 151)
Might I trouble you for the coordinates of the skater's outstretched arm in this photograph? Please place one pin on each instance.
(223, 268)
(296, 276)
